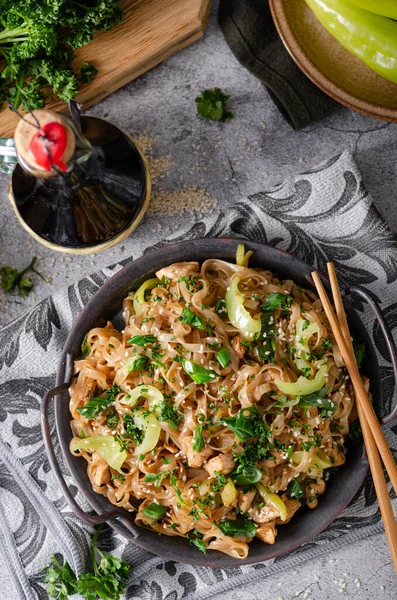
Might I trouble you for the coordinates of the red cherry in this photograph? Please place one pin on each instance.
(48, 145)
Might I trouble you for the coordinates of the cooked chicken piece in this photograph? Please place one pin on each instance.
(178, 270)
(237, 346)
(245, 500)
(269, 463)
(263, 515)
(267, 533)
(223, 463)
(85, 392)
(313, 490)
(194, 459)
(292, 506)
(100, 473)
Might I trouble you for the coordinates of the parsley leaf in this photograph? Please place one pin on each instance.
(60, 579)
(108, 581)
(211, 104)
(87, 72)
(11, 278)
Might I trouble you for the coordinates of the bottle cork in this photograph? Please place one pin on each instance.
(27, 129)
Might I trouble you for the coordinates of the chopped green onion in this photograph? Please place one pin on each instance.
(246, 475)
(190, 318)
(220, 308)
(276, 300)
(198, 439)
(223, 357)
(142, 340)
(137, 364)
(154, 511)
(241, 528)
(295, 490)
(196, 372)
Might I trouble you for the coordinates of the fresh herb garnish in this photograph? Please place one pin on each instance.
(211, 104)
(276, 300)
(174, 483)
(239, 528)
(295, 490)
(156, 478)
(131, 430)
(154, 511)
(170, 414)
(95, 406)
(11, 278)
(190, 318)
(222, 481)
(198, 439)
(248, 423)
(108, 580)
(223, 357)
(85, 348)
(246, 475)
(318, 399)
(220, 308)
(142, 340)
(138, 364)
(196, 372)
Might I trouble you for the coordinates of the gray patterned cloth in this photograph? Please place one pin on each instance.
(320, 215)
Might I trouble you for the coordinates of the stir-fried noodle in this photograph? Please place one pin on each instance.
(215, 413)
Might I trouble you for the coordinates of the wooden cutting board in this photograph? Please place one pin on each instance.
(151, 31)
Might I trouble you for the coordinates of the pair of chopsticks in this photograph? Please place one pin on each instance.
(375, 442)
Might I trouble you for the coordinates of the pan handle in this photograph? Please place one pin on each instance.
(390, 343)
(49, 446)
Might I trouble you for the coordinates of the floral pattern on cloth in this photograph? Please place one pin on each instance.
(322, 214)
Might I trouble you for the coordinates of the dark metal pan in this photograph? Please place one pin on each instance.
(106, 304)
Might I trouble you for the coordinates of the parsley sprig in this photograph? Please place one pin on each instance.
(211, 104)
(12, 278)
(107, 581)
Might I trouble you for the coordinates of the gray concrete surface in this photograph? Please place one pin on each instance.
(248, 154)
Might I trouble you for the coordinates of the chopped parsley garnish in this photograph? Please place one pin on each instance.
(222, 481)
(131, 430)
(170, 414)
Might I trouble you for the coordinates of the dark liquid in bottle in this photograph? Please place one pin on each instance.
(94, 203)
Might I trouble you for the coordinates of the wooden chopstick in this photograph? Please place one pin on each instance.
(361, 394)
(341, 331)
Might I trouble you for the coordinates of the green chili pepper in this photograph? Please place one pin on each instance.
(370, 37)
(386, 8)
